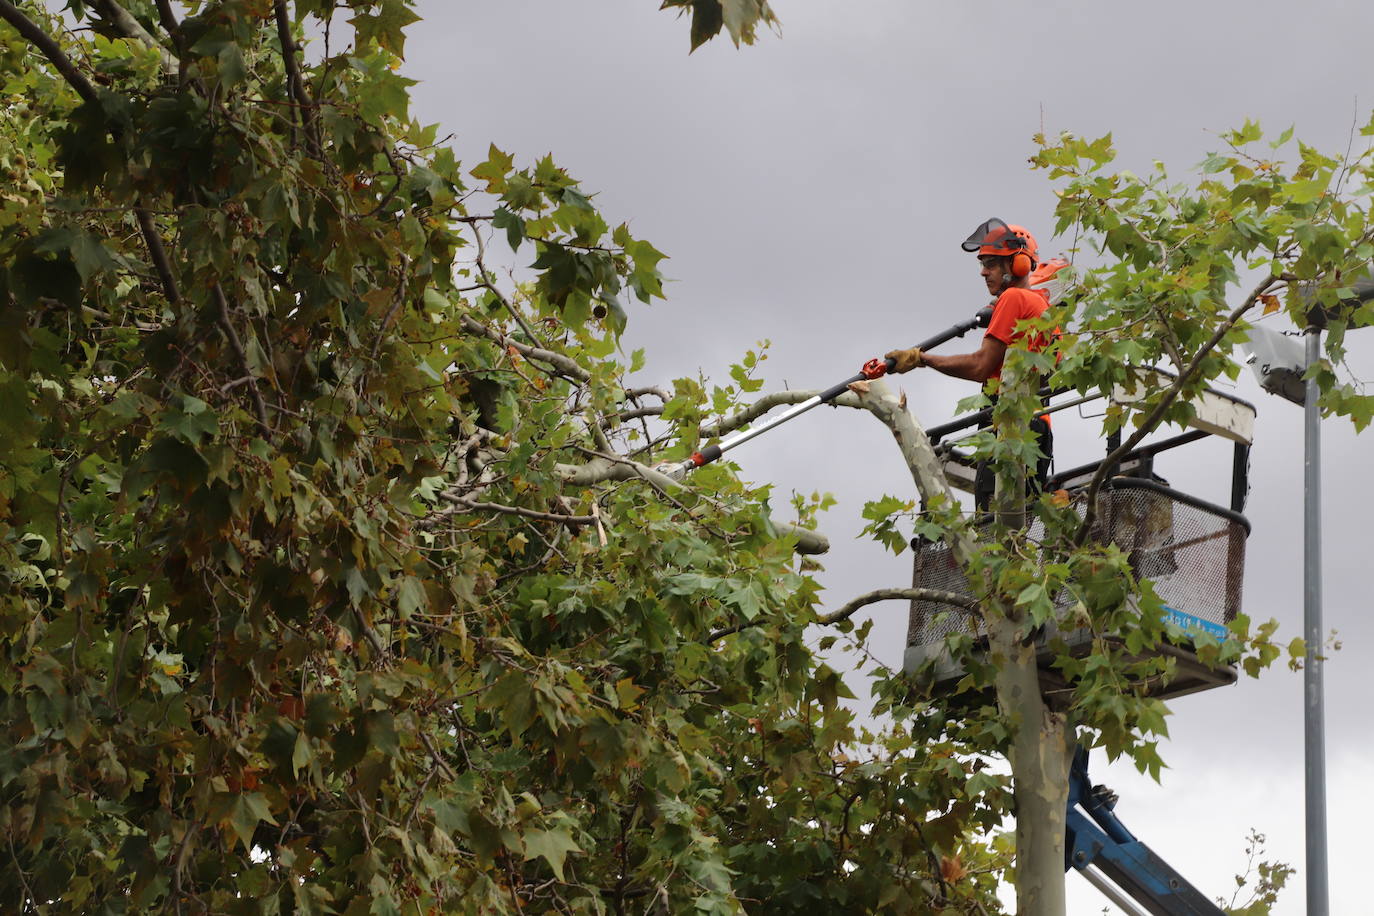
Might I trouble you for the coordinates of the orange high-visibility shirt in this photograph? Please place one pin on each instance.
(1014, 305)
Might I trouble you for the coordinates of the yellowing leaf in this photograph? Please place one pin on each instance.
(1271, 303)
(952, 869)
(628, 693)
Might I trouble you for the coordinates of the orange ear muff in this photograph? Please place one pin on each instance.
(1021, 264)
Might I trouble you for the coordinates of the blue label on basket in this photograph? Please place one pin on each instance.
(1190, 623)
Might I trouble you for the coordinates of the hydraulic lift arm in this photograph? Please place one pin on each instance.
(1096, 838)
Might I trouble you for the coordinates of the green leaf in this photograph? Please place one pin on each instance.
(246, 812)
(1302, 192)
(386, 26)
(551, 845)
(87, 252)
(410, 596)
(514, 226)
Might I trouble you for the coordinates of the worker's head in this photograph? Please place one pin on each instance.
(1006, 254)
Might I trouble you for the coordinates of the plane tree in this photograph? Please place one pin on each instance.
(338, 575)
(341, 577)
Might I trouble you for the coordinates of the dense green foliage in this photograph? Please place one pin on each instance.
(338, 576)
(326, 588)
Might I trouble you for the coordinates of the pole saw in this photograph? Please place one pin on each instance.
(1043, 278)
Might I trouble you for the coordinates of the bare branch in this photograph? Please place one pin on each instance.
(565, 365)
(648, 389)
(491, 287)
(626, 416)
(758, 409)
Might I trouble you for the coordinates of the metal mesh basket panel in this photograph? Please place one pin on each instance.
(1194, 555)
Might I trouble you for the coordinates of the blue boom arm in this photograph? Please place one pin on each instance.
(1095, 837)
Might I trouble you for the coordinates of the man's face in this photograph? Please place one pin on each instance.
(994, 271)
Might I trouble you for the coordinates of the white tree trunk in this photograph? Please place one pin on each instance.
(1041, 754)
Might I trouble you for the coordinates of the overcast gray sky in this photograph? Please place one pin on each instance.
(813, 189)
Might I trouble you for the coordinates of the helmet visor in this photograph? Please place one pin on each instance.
(994, 234)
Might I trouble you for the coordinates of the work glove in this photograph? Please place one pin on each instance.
(905, 360)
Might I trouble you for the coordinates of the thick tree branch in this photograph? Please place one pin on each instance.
(873, 597)
(158, 254)
(131, 28)
(295, 84)
(939, 596)
(1154, 417)
(603, 469)
(927, 472)
(169, 20)
(49, 49)
(759, 408)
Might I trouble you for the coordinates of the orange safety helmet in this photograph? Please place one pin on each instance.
(995, 237)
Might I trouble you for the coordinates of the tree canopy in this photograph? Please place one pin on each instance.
(341, 578)
(337, 580)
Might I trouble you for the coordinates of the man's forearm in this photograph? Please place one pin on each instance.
(968, 366)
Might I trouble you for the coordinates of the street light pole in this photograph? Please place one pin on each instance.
(1280, 369)
(1314, 721)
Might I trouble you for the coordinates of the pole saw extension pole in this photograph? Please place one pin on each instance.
(874, 368)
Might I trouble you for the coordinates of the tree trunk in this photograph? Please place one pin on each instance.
(1042, 748)
(1041, 753)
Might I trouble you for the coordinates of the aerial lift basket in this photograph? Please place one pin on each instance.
(1192, 551)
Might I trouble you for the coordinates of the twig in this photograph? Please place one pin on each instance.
(259, 405)
(482, 272)
(461, 505)
(437, 757)
(395, 306)
(375, 641)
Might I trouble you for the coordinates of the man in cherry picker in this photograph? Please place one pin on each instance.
(1008, 257)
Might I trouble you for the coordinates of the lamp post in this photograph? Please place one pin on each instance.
(1314, 702)
(1280, 366)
